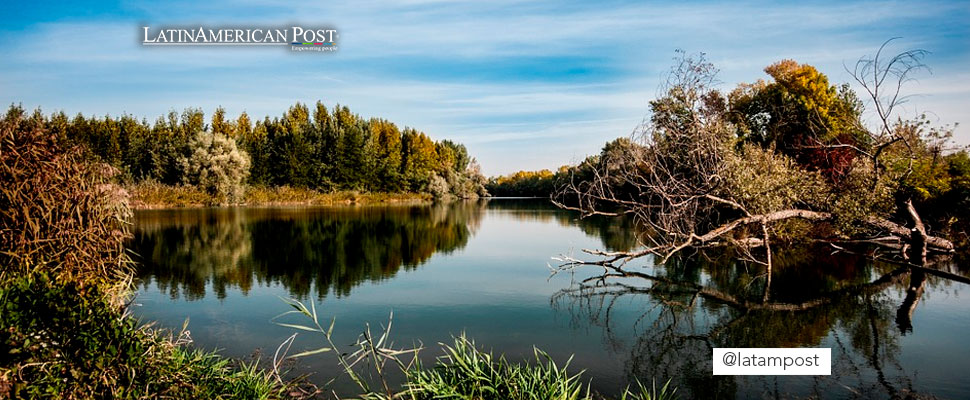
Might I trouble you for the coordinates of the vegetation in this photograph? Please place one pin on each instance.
(324, 150)
(788, 159)
(64, 274)
(463, 372)
(150, 195)
(63, 277)
(215, 165)
(540, 183)
(60, 214)
(65, 340)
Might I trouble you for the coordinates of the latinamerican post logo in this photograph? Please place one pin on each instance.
(298, 38)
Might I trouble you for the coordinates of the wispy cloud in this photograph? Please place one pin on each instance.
(524, 84)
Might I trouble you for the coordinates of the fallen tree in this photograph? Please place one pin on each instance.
(692, 176)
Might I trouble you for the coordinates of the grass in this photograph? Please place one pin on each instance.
(464, 371)
(467, 372)
(147, 195)
(62, 340)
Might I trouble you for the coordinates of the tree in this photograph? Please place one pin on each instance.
(219, 125)
(322, 149)
(692, 181)
(387, 142)
(216, 165)
(802, 116)
(418, 159)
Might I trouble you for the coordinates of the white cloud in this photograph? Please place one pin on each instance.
(98, 67)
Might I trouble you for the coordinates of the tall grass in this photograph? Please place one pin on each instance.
(64, 275)
(151, 194)
(59, 213)
(464, 371)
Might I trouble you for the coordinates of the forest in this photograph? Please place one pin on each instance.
(325, 150)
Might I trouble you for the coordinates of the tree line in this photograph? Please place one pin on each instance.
(324, 149)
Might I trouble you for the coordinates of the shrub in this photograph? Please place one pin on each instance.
(61, 214)
(765, 181)
(438, 187)
(62, 340)
(216, 165)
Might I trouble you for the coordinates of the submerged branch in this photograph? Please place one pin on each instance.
(898, 233)
(673, 286)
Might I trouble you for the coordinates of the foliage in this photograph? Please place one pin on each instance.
(63, 274)
(152, 194)
(464, 371)
(438, 187)
(62, 340)
(523, 184)
(764, 181)
(795, 147)
(857, 198)
(217, 166)
(61, 214)
(317, 148)
(802, 116)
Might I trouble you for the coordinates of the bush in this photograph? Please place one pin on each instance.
(438, 187)
(61, 214)
(217, 166)
(765, 181)
(63, 340)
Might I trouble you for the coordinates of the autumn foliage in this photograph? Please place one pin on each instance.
(802, 116)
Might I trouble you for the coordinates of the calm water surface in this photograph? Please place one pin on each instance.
(482, 268)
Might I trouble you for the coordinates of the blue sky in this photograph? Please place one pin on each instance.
(525, 85)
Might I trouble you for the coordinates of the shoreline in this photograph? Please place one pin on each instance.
(153, 196)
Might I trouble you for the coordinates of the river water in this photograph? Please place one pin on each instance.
(484, 269)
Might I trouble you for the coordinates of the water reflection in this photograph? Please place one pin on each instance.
(859, 308)
(328, 249)
(893, 331)
(615, 234)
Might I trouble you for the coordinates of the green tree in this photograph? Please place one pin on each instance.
(387, 140)
(803, 116)
(418, 159)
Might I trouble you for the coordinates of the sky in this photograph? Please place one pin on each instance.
(523, 84)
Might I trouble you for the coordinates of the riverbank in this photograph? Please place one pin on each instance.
(69, 340)
(145, 196)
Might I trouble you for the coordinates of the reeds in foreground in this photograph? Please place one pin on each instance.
(464, 371)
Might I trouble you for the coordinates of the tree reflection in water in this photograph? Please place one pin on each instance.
(663, 320)
(329, 249)
(817, 298)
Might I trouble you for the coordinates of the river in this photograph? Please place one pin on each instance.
(483, 269)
